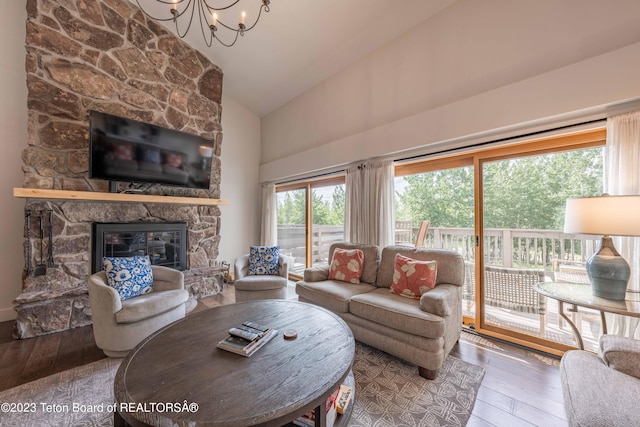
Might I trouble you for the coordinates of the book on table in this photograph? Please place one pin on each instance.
(247, 338)
(309, 419)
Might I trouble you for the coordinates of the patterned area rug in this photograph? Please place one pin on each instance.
(389, 393)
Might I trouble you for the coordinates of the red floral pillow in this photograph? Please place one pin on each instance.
(346, 265)
(412, 278)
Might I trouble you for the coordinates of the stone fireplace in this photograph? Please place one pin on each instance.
(107, 56)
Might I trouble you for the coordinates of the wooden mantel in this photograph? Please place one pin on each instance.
(39, 193)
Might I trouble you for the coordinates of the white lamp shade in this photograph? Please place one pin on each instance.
(603, 215)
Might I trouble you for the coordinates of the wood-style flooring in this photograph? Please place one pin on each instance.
(520, 387)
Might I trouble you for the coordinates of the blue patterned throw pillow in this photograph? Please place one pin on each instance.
(263, 260)
(130, 276)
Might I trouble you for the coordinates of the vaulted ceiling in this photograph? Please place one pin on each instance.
(299, 43)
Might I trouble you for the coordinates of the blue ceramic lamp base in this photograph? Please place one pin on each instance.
(608, 271)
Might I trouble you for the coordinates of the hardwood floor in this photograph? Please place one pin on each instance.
(520, 387)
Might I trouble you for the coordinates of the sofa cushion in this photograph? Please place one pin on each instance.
(346, 265)
(381, 306)
(149, 305)
(129, 276)
(371, 257)
(331, 294)
(412, 278)
(263, 260)
(450, 264)
(260, 283)
(620, 353)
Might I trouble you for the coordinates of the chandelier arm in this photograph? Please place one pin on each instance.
(203, 16)
(190, 20)
(263, 7)
(172, 17)
(225, 44)
(229, 6)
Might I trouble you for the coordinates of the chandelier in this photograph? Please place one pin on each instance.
(183, 12)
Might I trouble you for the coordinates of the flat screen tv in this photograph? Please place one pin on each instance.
(127, 150)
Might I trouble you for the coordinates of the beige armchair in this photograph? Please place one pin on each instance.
(249, 288)
(602, 389)
(118, 326)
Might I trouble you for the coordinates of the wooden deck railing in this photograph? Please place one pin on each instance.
(506, 247)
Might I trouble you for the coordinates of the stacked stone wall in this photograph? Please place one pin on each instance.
(84, 55)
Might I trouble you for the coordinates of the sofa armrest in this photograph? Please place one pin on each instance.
(166, 279)
(317, 273)
(440, 300)
(621, 354)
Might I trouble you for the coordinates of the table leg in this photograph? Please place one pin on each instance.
(604, 323)
(574, 329)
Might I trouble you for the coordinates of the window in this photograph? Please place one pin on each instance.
(310, 219)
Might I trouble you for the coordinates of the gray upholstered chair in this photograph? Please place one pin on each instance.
(118, 326)
(602, 389)
(249, 288)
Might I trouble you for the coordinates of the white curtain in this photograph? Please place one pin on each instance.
(369, 194)
(269, 226)
(622, 177)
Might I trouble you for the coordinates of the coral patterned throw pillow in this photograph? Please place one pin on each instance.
(346, 265)
(412, 278)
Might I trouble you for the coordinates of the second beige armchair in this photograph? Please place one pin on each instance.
(254, 287)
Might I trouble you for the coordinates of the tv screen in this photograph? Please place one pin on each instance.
(132, 151)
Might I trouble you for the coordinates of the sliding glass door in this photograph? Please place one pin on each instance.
(310, 218)
(523, 201)
(502, 209)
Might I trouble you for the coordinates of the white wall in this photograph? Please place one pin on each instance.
(240, 220)
(13, 128)
(474, 70)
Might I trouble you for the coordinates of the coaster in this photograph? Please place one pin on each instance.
(290, 334)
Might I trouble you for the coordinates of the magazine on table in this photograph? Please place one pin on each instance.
(247, 338)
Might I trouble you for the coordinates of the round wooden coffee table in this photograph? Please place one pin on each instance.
(178, 376)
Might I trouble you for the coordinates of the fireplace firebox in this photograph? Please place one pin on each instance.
(165, 243)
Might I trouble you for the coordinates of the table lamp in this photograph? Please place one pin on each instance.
(607, 216)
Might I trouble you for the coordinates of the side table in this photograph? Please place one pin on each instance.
(579, 294)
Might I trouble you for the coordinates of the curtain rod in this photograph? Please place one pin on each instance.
(311, 177)
(451, 150)
(499, 140)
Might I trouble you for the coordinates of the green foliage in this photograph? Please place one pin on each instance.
(443, 197)
(291, 207)
(523, 193)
